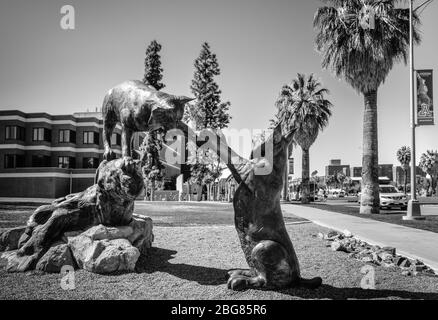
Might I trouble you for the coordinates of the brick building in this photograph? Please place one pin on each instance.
(47, 156)
(335, 167)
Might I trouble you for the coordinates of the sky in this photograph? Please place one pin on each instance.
(260, 44)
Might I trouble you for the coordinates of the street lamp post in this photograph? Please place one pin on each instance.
(413, 212)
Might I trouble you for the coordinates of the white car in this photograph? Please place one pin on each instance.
(390, 197)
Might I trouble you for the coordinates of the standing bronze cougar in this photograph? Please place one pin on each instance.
(138, 107)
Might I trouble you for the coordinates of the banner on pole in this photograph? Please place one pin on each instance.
(425, 114)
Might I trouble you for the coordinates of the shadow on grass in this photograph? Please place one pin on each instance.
(326, 291)
(158, 261)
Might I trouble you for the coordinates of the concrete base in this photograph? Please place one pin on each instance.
(414, 211)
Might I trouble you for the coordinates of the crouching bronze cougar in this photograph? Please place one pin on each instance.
(259, 220)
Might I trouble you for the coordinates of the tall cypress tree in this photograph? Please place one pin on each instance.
(152, 66)
(207, 112)
(152, 170)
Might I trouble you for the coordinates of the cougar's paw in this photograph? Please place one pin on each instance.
(238, 283)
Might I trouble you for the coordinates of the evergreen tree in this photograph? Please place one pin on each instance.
(152, 66)
(208, 112)
(152, 169)
(152, 166)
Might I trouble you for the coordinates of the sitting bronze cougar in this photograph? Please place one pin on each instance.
(258, 217)
(109, 202)
(138, 107)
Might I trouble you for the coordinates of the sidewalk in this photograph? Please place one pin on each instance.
(409, 242)
(26, 200)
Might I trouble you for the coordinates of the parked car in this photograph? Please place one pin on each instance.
(390, 198)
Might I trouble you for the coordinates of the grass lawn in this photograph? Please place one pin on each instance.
(190, 262)
(430, 224)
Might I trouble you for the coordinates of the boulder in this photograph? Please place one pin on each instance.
(9, 238)
(142, 235)
(385, 256)
(118, 255)
(387, 264)
(17, 263)
(418, 267)
(338, 246)
(390, 250)
(376, 257)
(332, 233)
(405, 263)
(55, 258)
(398, 260)
(102, 232)
(347, 234)
(95, 254)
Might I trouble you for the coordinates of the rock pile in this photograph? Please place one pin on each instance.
(99, 249)
(381, 256)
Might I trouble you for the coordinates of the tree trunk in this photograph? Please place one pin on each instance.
(370, 199)
(146, 186)
(433, 184)
(189, 196)
(305, 177)
(406, 181)
(152, 190)
(199, 194)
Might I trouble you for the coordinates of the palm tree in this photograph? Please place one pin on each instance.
(404, 157)
(301, 105)
(360, 41)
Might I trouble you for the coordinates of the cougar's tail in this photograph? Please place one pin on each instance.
(310, 283)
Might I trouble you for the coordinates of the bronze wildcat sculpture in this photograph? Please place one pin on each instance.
(109, 202)
(138, 107)
(259, 220)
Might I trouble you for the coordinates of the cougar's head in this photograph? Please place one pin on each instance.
(167, 111)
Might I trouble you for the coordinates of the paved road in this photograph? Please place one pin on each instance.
(410, 242)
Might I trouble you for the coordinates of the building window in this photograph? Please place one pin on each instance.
(91, 137)
(13, 161)
(66, 136)
(40, 161)
(41, 134)
(116, 139)
(66, 162)
(14, 133)
(90, 163)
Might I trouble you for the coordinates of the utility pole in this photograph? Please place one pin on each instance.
(413, 212)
